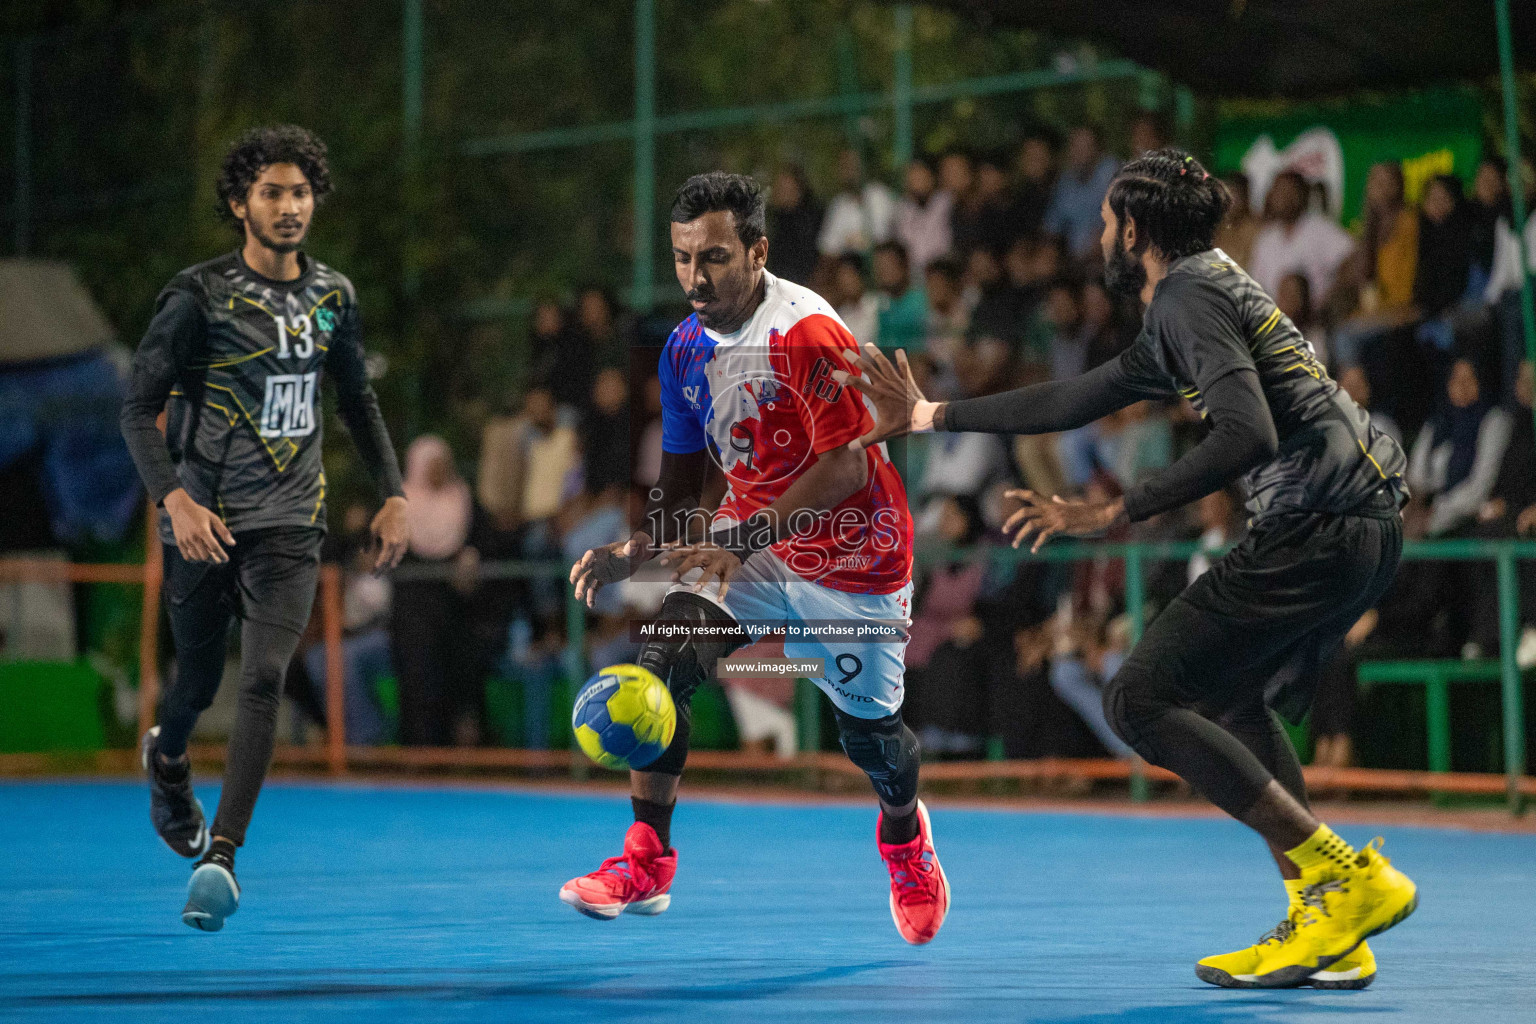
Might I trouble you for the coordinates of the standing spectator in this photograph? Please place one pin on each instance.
(605, 435)
(923, 216)
(1036, 169)
(903, 307)
(1074, 211)
(794, 220)
(1236, 235)
(1457, 455)
(861, 215)
(1295, 239)
(858, 306)
(438, 703)
(1443, 267)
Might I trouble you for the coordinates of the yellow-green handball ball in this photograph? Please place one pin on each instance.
(624, 717)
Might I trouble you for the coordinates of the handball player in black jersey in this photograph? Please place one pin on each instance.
(1199, 693)
(235, 355)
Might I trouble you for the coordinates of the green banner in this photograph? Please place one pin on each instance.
(1335, 144)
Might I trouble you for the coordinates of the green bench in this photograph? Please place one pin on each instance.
(1436, 676)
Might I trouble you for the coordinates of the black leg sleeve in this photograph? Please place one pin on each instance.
(886, 750)
(1261, 731)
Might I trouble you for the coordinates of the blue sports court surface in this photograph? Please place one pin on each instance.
(384, 904)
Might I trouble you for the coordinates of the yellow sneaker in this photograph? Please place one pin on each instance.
(1347, 896)
(1356, 970)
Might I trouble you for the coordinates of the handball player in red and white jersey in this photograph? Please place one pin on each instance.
(811, 535)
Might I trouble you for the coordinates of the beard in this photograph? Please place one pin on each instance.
(278, 244)
(1123, 273)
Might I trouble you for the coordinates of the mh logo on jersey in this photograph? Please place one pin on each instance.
(289, 408)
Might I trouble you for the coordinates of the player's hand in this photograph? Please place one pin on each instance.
(609, 564)
(391, 530)
(900, 407)
(1045, 519)
(714, 561)
(200, 535)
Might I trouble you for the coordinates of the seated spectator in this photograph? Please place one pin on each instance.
(1295, 300)
(562, 360)
(605, 434)
(1384, 267)
(1357, 385)
(1443, 267)
(1490, 200)
(794, 220)
(861, 215)
(1457, 455)
(923, 216)
(1073, 214)
(1064, 317)
(948, 321)
(1236, 235)
(1510, 511)
(903, 317)
(1085, 657)
(1503, 291)
(982, 215)
(597, 318)
(365, 638)
(858, 306)
(1295, 239)
(955, 463)
(1035, 170)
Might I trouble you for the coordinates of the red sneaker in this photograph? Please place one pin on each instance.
(635, 882)
(919, 890)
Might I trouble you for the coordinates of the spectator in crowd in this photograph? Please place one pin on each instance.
(441, 700)
(1456, 458)
(1086, 655)
(1064, 315)
(562, 360)
(923, 217)
(1503, 291)
(1490, 201)
(1510, 511)
(983, 210)
(794, 221)
(1357, 385)
(1236, 235)
(365, 639)
(597, 319)
(1074, 211)
(903, 317)
(955, 464)
(857, 305)
(605, 434)
(1104, 335)
(1443, 267)
(948, 322)
(948, 596)
(1295, 239)
(1294, 299)
(861, 215)
(1384, 267)
(1148, 132)
(1035, 168)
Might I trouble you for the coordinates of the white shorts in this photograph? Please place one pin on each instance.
(863, 676)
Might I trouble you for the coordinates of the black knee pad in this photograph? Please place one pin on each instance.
(686, 662)
(886, 750)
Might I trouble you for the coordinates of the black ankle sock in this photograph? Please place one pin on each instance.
(222, 852)
(173, 771)
(896, 831)
(658, 816)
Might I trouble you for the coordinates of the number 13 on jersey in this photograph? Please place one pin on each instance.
(302, 329)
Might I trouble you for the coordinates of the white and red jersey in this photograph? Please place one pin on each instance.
(763, 401)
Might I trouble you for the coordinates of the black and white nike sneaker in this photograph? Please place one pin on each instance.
(173, 808)
(213, 894)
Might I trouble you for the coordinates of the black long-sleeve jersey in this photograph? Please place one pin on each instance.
(236, 360)
(1297, 439)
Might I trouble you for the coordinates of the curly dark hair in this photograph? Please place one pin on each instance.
(742, 195)
(260, 148)
(1176, 203)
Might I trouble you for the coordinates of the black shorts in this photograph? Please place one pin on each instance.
(269, 578)
(1262, 621)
